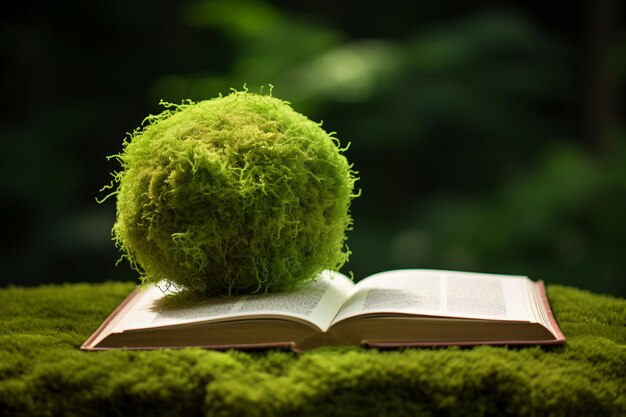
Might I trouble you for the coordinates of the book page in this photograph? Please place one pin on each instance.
(316, 302)
(441, 294)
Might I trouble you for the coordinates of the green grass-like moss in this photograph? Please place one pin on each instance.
(233, 195)
(43, 373)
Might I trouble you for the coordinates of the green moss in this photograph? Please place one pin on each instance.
(232, 195)
(43, 373)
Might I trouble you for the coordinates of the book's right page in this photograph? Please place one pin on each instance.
(442, 294)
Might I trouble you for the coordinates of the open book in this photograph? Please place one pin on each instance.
(390, 309)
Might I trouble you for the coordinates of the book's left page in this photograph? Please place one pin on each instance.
(316, 302)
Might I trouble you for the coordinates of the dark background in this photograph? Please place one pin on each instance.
(488, 136)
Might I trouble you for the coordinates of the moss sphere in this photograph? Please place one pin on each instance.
(237, 194)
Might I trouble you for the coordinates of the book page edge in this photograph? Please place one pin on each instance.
(243, 346)
(392, 345)
(543, 296)
(89, 343)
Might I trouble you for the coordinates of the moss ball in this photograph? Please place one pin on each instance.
(237, 194)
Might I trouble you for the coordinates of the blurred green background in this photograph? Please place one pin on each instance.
(488, 136)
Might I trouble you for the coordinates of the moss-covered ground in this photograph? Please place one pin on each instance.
(43, 372)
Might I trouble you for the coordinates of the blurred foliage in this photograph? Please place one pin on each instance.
(560, 222)
(465, 127)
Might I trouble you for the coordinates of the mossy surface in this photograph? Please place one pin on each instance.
(237, 194)
(43, 372)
